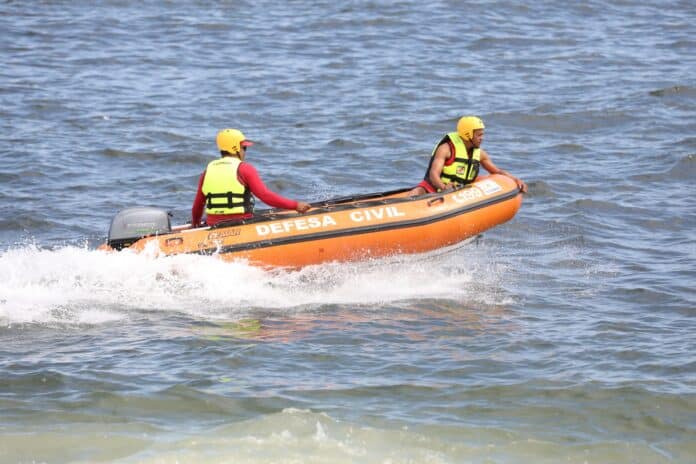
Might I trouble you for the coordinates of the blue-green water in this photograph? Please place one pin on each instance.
(565, 335)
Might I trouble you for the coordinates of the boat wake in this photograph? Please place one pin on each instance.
(78, 285)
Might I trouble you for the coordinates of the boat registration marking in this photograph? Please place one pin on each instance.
(481, 189)
(488, 186)
(467, 195)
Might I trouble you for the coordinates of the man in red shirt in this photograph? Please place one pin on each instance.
(226, 186)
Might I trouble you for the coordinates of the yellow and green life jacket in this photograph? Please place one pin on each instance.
(461, 168)
(224, 194)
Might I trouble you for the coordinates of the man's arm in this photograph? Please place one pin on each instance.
(248, 176)
(198, 203)
(488, 164)
(441, 155)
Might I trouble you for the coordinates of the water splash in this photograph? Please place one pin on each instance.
(79, 285)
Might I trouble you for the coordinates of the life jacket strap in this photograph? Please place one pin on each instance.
(228, 196)
(454, 178)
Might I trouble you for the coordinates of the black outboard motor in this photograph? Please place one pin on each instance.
(132, 224)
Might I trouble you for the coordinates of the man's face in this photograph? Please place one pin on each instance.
(477, 139)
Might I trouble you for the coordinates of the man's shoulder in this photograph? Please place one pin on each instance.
(246, 167)
(444, 147)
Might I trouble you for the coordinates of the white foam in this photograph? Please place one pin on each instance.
(78, 285)
(320, 434)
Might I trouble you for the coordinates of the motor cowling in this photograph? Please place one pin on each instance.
(132, 224)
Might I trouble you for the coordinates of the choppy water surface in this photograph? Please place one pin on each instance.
(565, 335)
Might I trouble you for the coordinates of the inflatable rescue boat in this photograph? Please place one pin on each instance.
(341, 229)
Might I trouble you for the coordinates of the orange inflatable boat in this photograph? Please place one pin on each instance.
(340, 229)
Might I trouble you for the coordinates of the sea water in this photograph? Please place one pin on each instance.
(564, 335)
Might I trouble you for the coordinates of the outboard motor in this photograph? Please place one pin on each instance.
(132, 224)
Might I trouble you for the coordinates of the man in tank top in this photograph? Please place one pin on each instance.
(456, 158)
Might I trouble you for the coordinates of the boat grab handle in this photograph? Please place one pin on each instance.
(436, 200)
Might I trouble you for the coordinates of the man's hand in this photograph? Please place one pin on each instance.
(520, 184)
(302, 207)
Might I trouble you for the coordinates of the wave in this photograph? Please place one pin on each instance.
(501, 421)
(675, 90)
(685, 168)
(114, 153)
(25, 223)
(541, 189)
(572, 122)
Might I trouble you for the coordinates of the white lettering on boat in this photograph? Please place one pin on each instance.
(476, 191)
(467, 194)
(216, 235)
(488, 186)
(376, 213)
(301, 224)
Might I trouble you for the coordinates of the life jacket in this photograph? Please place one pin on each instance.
(224, 194)
(459, 168)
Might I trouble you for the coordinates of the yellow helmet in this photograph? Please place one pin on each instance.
(467, 125)
(232, 141)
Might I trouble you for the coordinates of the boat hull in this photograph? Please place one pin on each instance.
(345, 230)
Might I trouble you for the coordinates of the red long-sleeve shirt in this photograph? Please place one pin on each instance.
(247, 175)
